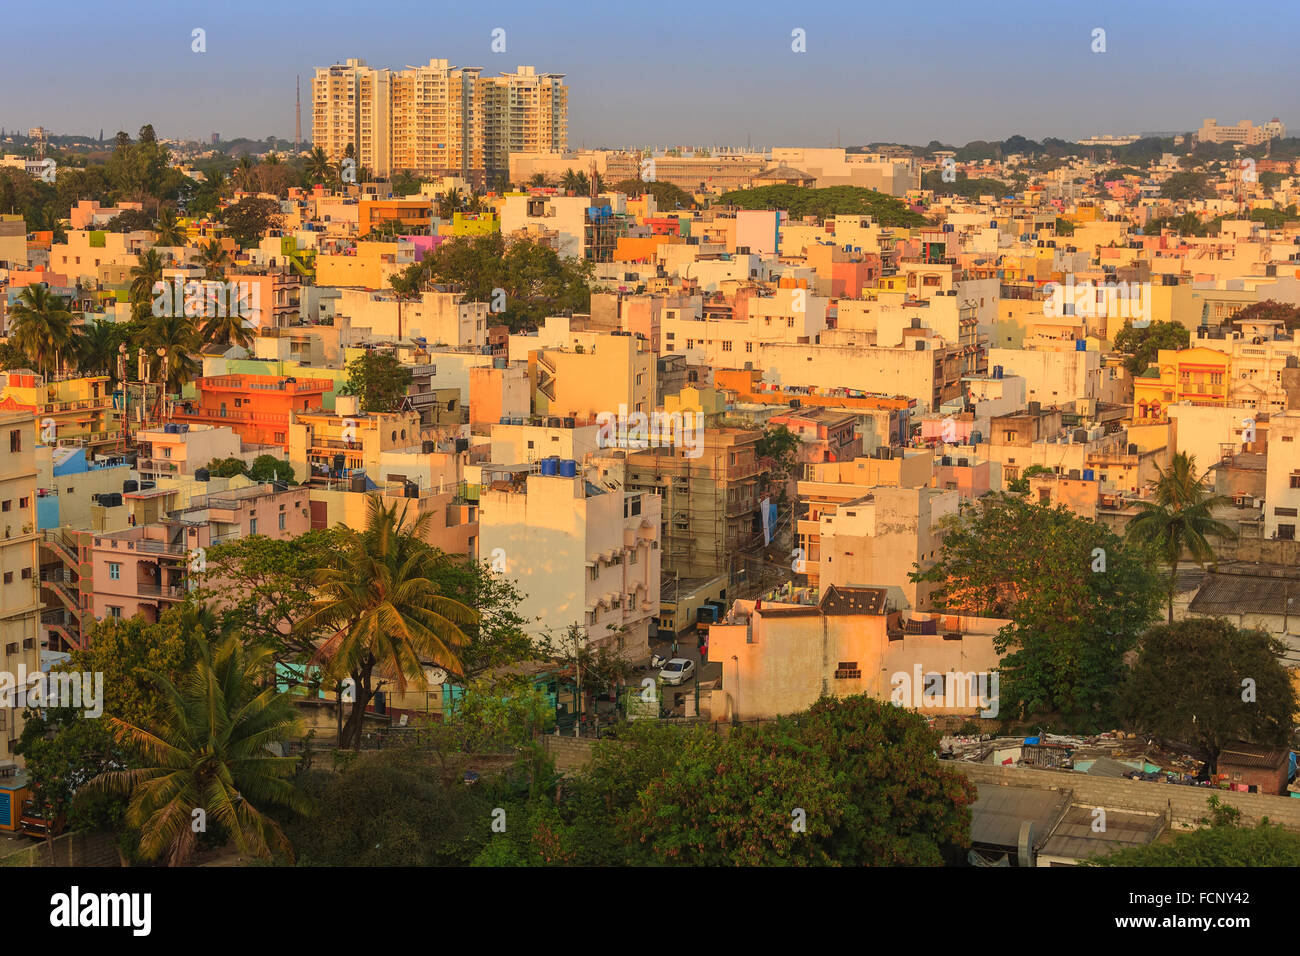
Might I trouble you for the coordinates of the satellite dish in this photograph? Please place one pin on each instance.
(436, 675)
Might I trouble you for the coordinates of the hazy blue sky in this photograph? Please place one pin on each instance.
(675, 71)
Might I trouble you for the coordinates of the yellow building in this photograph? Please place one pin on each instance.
(20, 604)
(369, 267)
(325, 446)
(1199, 376)
(72, 411)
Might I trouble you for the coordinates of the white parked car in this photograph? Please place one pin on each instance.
(677, 671)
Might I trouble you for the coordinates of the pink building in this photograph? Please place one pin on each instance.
(147, 569)
(965, 475)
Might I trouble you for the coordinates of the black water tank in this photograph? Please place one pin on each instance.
(146, 485)
(202, 474)
(462, 444)
(130, 485)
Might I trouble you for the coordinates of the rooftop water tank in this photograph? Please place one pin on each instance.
(568, 468)
(550, 466)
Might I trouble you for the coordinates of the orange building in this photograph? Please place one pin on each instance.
(408, 214)
(255, 407)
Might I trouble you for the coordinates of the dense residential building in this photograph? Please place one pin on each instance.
(437, 119)
(20, 604)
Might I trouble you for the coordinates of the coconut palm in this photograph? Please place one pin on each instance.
(178, 335)
(145, 274)
(168, 229)
(569, 181)
(209, 751)
(383, 611)
(318, 168)
(42, 327)
(538, 180)
(96, 349)
(227, 330)
(215, 258)
(1180, 518)
(243, 172)
(450, 202)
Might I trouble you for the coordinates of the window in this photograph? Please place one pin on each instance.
(252, 526)
(24, 502)
(27, 574)
(1286, 532)
(848, 670)
(1295, 480)
(749, 346)
(9, 577)
(115, 571)
(16, 440)
(114, 611)
(281, 522)
(7, 506)
(726, 346)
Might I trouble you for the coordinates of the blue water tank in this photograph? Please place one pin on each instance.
(550, 466)
(568, 468)
(1080, 345)
(1089, 475)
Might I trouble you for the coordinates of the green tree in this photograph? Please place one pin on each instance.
(1180, 518)
(270, 468)
(1225, 842)
(855, 781)
(1143, 344)
(824, 203)
(145, 275)
(214, 259)
(167, 228)
(384, 613)
(1077, 598)
(1205, 683)
(248, 220)
(209, 752)
(41, 325)
(668, 196)
(379, 380)
(1186, 186)
(386, 809)
(96, 347)
(180, 338)
(227, 467)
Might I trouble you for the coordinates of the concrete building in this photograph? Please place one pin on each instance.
(781, 658)
(1282, 481)
(580, 554)
(437, 119)
(20, 601)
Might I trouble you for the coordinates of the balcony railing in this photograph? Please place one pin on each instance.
(159, 591)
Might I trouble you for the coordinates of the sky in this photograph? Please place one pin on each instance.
(715, 72)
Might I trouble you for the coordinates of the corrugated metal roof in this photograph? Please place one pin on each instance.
(1074, 837)
(999, 811)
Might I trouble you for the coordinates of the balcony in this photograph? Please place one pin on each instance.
(161, 592)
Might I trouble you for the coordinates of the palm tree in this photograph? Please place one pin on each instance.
(209, 751)
(168, 229)
(318, 168)
(97, 349)
(384, 611)
(450, 202)
(178, 335)
(1179, 518)
(42, 327)
(243, 172)
(227, 329)
(569, 181)
(146, 273)
(539, 180)
(215, 258)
